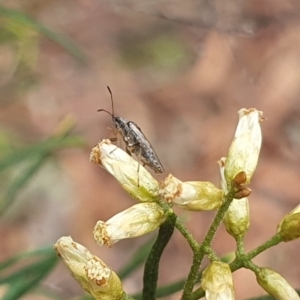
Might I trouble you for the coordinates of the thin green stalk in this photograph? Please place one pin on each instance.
(244, 261)
(273, 241)
(240, 261)
(217, 220)
(152, 263)
(191, 241)
(239, 246)
(199, 255)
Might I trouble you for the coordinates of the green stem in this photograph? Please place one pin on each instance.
(251, 266)
(273, 241)
(244, 260)
(182, 229)
(218, 219)
(239, 246)
(199, 255)
(152, 263)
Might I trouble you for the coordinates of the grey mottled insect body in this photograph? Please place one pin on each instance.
(143, 148)
(135, 141)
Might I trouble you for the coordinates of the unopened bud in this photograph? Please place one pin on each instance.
(91, 272)
(244, 149)
(134, 178)
(237, 218)
(217, 281)
(240, 178)
(275, 285)
(135, 221)
(289, 227)
(191, 195)
(242, 192)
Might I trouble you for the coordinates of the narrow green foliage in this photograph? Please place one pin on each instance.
(26, 278)
(58, 38)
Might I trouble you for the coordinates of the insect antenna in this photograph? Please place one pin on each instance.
(112, 104)
(112, 101)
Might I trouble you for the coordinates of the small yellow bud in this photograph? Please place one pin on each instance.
(91, 272)
(275, 285)
(134, 178)
(191, 195)
(217, 281)
(289, 227)
(135, 221)
(244, 149)
(237, 218)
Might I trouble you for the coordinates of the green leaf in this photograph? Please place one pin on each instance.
(26, 278)
(19, 182)
(40, 149)
(26, 254)
(32, 158)
(58, 38)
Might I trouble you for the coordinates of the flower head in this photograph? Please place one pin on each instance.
(135, 221)
(191, 195)
(289, 227)
(275, 285)
(217, 281)
(91, 272)
(134, 178)
(245, 147)
(237, 217)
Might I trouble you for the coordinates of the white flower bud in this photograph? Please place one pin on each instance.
(244, 150)
(134, 178)
(217, 281)
(237, 218)
(91, 272)
(275, 285)
(135, 221)
(289, 227)
(191, 195)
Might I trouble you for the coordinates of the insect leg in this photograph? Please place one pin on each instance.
(137, 150)
(138, 155)
(116, 139)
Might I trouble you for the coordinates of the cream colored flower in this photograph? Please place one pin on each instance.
(134, 178)
(275, 285)
(91, 272)
(289, 227)
(217, 282)
(135, 221)
(191, 195)
(244, 150)
(237, 217)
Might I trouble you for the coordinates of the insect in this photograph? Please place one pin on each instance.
(135, 140)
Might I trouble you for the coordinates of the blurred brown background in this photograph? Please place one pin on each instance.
(181, 71)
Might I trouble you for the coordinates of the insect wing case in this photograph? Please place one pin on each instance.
(143, 149)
